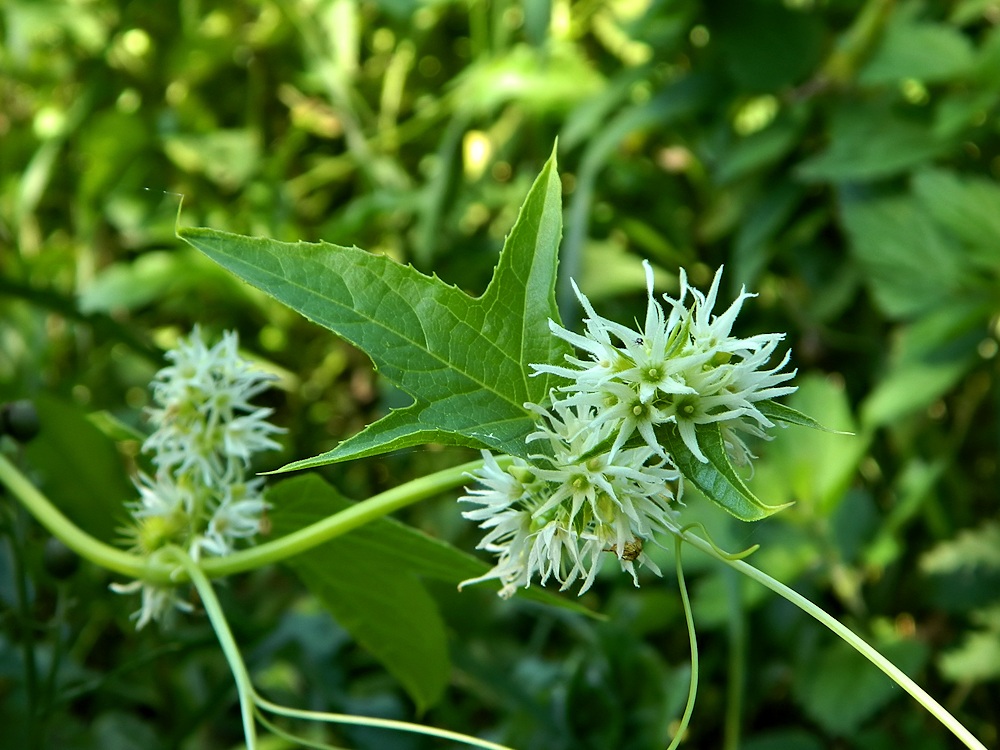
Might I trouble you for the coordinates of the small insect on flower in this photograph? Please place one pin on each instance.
(630, 550)
(264, 529)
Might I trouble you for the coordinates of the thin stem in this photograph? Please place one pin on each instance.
(859, 644)
(218, 619)
(693, 638)
(340, 523)
(249, 699)
(294, 739)
(164, 570)
(737, 665)
(71, 535)
(369, 721)
(154, 571)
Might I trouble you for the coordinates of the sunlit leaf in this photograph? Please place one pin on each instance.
(976, 658)
(972, 548)
(910, 265)
(924, 51)
(522, 75)
(814, 466)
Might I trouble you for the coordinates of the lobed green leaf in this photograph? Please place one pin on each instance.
(463, 360)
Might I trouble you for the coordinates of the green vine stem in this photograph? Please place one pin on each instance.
(736, 672)
(293, 740)
(158, 571)
(173, 565)
(368, 721)
(217, 618)
(358, 515)
(679, 735)
(858, 643)
(250, 701)
(71, 535)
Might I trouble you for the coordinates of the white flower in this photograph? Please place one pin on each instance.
(580, 472)
(684, 368)
(709, 332)
(622, 407)
(207, 431)
(158, 602)
(203, 415)
(238, 516)
(596, 487)
(553, 517)
(162, 496)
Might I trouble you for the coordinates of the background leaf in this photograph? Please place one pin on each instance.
(841, 690)
(361, 579)
(928, 357)
(896, 242)
(970, 549)
(975, 659)
(698, 133)
(812, 467)
(871, 141)
(766, 45)
(967, 207)
(923, 51)
(80, 469)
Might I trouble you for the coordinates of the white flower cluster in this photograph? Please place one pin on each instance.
(598, 487)
(684, 368)
(206, 432)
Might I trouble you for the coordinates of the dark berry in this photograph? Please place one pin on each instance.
(60, 561)
(19, 419)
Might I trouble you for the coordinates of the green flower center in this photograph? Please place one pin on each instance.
(687, 407)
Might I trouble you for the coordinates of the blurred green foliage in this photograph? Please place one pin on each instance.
(840, 157)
